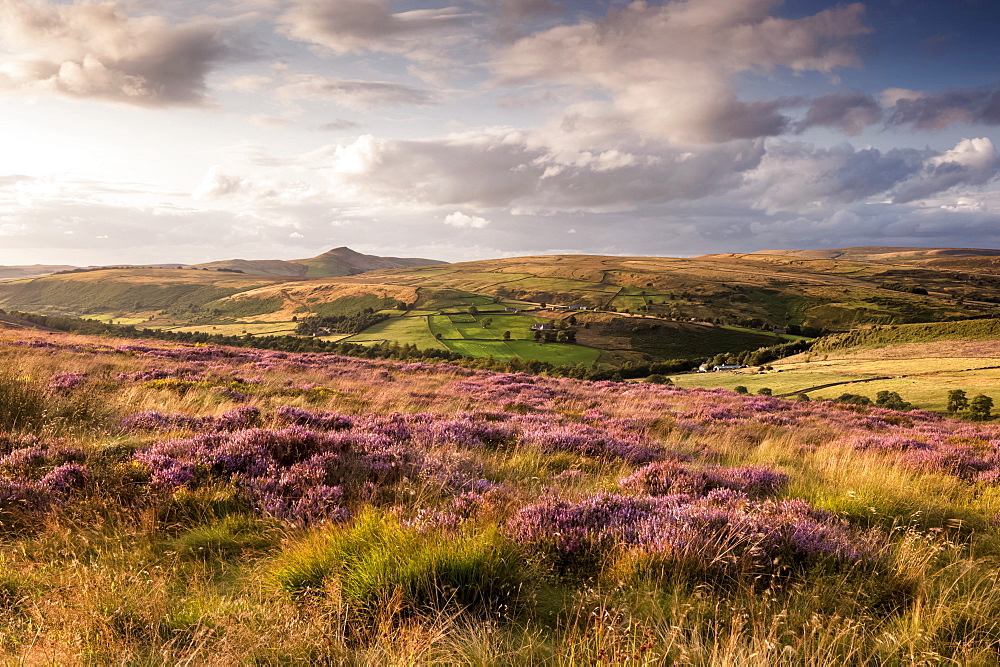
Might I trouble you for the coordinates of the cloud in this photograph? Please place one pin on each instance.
(933, 111)
(94, 50)
(519, 10)
(850, 112)
(510, 169)
(972, 162)
(339, 124)
(249, 83)
(671, 69)
(799, 176)
(459, 219)
(362, 26)
(356, 95)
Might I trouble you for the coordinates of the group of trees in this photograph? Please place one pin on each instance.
(349, 324)
(903, 287)
(979, 407)
(761, 355)
(890, 400)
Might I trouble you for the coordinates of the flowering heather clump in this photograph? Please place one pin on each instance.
(19, 496)
(321, 419)
(159, 374)
(292, 472)
(65, 478)
(666, 477)
(467, 431)
(889, 443)
(669, 477)
(722, 532)
(957, 460)
(591, 441)
(66, 381)
(757, 481)
(577, 535)
(519, 388)
(29, 461)
(726, 532)
(239, 419)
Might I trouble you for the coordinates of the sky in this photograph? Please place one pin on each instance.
(142, 131)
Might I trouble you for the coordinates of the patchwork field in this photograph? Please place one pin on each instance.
(921, 373)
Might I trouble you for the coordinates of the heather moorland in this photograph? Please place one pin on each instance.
(169, 503)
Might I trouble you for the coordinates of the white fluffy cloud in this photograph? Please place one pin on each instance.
(670, 69)
(95, 50)
(459, 219)
(972, 162)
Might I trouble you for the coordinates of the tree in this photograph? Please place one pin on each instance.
(438, 335)
(957, 401)
(891, 401)
(473, 310)
(538, 335)
(853, 399)
(506, 335)
(487, 322)
(740, 389)
(764, 391)
(980, 407)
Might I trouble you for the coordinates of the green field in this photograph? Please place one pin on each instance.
(925, 382)
(239, 328)
(403, 330)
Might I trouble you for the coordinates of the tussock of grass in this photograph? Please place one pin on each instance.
(377, 567)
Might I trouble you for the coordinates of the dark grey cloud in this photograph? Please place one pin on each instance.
(357, 26)
(933, 111)
(848, 111)
(92, 50)
(357, 95)
(338, 125)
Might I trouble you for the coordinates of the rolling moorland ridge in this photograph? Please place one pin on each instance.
(598, 310)
(836, 501)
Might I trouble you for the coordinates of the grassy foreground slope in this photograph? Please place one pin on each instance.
(168, 504)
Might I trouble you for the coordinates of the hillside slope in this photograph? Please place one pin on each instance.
(767, 289)
(126, 291)
(336, 262)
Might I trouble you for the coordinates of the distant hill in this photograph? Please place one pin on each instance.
(623, 309)
(133, 292)
(884, 253)
(333, 263)
(18, 272)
